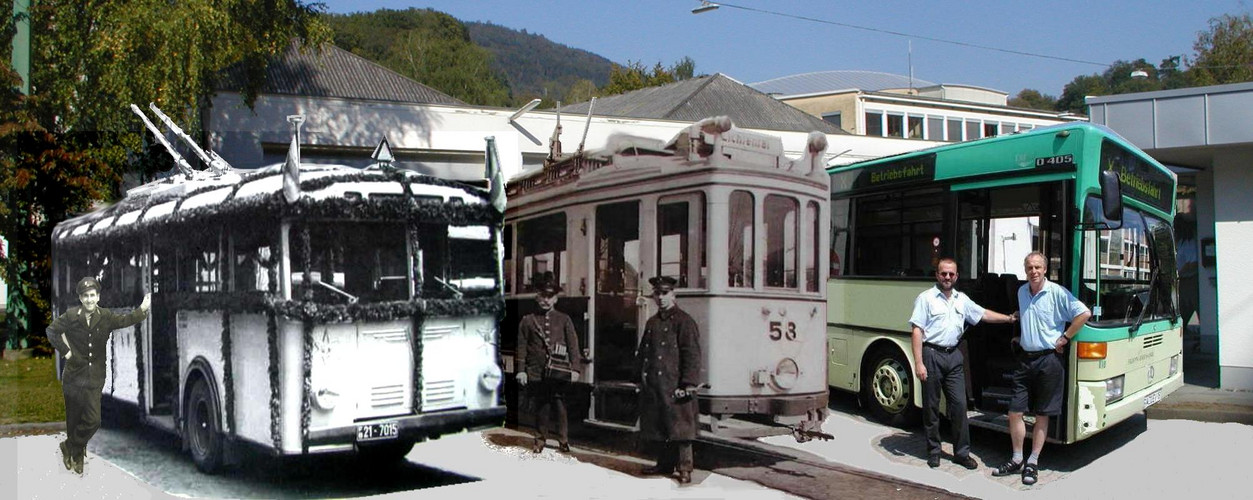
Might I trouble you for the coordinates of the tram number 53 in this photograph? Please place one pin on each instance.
(777, 330)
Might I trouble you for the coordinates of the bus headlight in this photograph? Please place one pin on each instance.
(1174, 365)
(489, 380)
(786, 374)
(1113, 389)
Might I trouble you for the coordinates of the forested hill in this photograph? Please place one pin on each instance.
(532, 63)
(479, 63)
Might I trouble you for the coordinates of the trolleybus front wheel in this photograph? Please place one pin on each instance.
(204, 437)
(887, 387)
(382, 454)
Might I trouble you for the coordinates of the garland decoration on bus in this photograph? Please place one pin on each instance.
(416, 344)
(306, 393)
(139, 373)
(276, 434)
(228, 374)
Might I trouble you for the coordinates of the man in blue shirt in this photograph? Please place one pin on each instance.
(939, 318)
(1039, 381)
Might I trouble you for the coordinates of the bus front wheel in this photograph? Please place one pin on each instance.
(888, 388)
(383, 454)
(204, 436)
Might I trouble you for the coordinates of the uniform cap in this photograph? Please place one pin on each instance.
(662, 284)
(87, 283)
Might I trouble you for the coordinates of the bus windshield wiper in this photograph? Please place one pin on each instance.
(453, 288)
(1157, 271)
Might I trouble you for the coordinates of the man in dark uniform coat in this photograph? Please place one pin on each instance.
(547, 334)
(669, 365)
(81, 335)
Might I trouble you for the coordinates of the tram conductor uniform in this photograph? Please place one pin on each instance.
(669, 364)
(81, 335)
(549, 359)
(938, 321)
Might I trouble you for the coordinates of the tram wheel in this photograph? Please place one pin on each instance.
(202, 429)
(887, 387)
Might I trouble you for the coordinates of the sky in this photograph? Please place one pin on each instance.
(752, 46)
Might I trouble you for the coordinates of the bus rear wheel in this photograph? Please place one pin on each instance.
(202, 431)
(887, 387)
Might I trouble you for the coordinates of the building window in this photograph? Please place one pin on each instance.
(874, 123)
(991, 129)
(915, 127)
(954, 130)
(896, 125)
(833, 118)
(935, 128)
(973, 130)
(1007, 128)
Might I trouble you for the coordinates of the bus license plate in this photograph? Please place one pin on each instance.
(1152, 398)
(381, 430)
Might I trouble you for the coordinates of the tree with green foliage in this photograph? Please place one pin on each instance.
(68, 144)
(1033, 99)
(1224, 53)
(634, 76)
(427, 46)
(583, 90)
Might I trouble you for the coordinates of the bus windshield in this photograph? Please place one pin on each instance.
(349, 261)
(1129, 274)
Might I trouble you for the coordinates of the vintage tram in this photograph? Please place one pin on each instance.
(739, 226)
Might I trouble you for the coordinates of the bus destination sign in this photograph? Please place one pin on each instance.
(1140, 180)
(907, 171)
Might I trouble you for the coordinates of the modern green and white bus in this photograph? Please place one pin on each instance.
(1097, 207)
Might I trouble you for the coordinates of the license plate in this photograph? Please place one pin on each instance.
(1154, 397)
(375, 432)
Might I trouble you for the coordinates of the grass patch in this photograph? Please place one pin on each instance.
(30, 392)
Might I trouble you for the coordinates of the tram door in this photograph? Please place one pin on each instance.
(617, 322)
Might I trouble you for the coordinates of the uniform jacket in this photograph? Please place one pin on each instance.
(532, 356)
(86, 368)
(668, 358)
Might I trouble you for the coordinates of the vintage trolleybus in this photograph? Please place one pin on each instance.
(723, 212)
(1097, 207)
(361, 315)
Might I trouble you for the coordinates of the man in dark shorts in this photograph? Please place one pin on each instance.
(1039, 381)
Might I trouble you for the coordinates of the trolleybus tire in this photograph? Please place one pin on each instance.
(203, 431)
(887, 388)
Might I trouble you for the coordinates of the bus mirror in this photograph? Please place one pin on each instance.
(1111, 198)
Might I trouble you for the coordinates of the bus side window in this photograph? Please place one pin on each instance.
(198, 266)
(252, 262)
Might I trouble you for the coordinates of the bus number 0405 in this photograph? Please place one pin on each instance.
(777, 330)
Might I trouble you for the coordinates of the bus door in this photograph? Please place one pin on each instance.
(617, 314)
(162, 373)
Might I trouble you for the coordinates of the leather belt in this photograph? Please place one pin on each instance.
(940, 348)
(1038, 354)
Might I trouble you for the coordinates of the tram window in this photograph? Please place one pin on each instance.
(898, 234)
(681, 239)
(541, 249)
(781, 243)
(253, 262)
(740, 247)
(366, 261)
(812, 232)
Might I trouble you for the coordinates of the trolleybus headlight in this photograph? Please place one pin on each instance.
(1113, 389)
(786, 373)
(1174, 365)
(489, 380)
(325, 399)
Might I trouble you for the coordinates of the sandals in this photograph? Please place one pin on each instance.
(1030, 473)
(1007, 468)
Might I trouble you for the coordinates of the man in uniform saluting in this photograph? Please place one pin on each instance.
(669, 363)
(82, 336)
